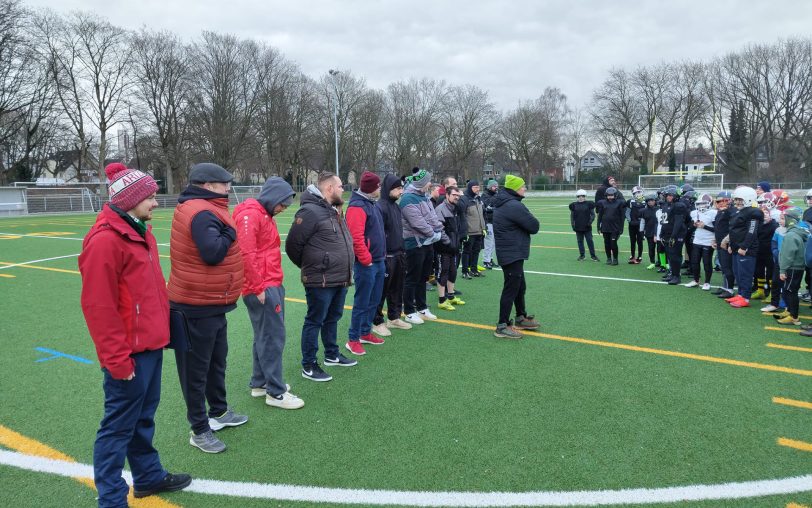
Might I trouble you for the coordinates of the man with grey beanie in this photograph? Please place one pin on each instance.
(262, 290)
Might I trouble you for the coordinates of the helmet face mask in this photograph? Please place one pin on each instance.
(611, 193)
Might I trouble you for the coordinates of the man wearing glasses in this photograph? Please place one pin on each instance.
(204, 284)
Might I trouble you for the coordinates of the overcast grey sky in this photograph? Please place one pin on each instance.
(512, 49)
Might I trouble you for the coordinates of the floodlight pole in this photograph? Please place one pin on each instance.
(334, 73)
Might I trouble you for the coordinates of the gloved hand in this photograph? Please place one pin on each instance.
(484, 232)
(671, 242)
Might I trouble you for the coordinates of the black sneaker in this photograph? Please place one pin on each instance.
(341, 361)
(674, 281)
(314, 373)
(614, 262)
(580, 258)
(170, 483)
(457, 292)
(595, 258)
(608, 261)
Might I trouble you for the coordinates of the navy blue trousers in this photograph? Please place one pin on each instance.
(126, 431)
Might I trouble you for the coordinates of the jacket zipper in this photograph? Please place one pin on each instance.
(137, 319)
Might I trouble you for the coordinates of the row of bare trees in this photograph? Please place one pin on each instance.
(754, 106)
(71, 83)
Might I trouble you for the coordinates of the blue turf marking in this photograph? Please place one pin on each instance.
(58, 354)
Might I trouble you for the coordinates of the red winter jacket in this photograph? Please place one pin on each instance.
(260, 246)
(124, 296)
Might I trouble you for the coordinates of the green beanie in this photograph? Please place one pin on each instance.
(513, 183)
(491, 183)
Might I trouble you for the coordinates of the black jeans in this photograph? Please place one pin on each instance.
(652, 249)
(792, 285)
(392, 288)
(580, 236)
(202, 370)
(513, 291)
(702, 253)
(418, 269)
(470, 253)
(777, 285)
(726, 262)
(764, 268)
(636, 240)
(610, 245)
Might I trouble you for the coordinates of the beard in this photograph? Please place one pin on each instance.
(337, 200)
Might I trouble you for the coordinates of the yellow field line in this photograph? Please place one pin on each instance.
(39, 268)
(783, 329)
(796, 505)
(792, 402)
(7, 276)
(16, 441)
(798, 445)
(790, 348)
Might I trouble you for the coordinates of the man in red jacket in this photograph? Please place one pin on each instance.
(262, 290)
(126, 307)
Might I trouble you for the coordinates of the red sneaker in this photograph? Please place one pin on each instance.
(371, 339)
(741, 302)
(355, 348)
(732, 298)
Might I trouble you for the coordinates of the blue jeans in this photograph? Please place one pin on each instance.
(126, 431)
(325, 306)
(743, 269)
(368, 288)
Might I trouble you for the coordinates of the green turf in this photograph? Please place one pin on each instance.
(442, 406)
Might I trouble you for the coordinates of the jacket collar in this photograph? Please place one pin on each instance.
(117, 222)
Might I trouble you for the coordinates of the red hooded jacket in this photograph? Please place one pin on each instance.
(124, 296)
(260, 246)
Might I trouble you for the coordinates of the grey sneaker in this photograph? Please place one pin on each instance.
(504, 331)
(207, 442)
(227, 419)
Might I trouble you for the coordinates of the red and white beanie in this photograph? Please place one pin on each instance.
(128, 187)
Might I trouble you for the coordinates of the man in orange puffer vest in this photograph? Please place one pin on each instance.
(204, 284)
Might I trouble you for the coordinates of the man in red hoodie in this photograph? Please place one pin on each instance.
(126, 307)
(262, 290)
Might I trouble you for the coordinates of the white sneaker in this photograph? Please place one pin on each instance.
(414, 318)
(285, 401)
(426, 314)
(692, 284)
(706, 286)
(261, 391)
(769, 308)
(381, 330)
(399, 323)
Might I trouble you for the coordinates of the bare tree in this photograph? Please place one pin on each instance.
(343, 90)
(576, 138)
(413, 128)
(467, 124)
(366, 138)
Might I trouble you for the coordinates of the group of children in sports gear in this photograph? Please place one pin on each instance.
(756, 238)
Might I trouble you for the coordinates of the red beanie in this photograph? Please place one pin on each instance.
(369, 182)
(128, 187)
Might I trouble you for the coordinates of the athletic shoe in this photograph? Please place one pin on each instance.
(769, 309)
(526, 323)
(207, 442)
(446, 305)
(661, 270)
(285, 401)
(595, 258)
(807, 326)
(261, 391)
(637, 261)
(504, 331)
(314, 373)
(339, 361)
(781, 315)
(227, 419)
(456, 301)
(426, 314)
(718, 291)
(580, 258)
(608, 261)
(355, 348)
(651, 266)
(371, 339)
(480, 268)
(789, 320)
(741, 302)
(674, 281)
(806, 333)
(726, 294)
(457, 292)
(805, 297)
(477, 274)
(414, 318)
(758, 294)
(706, 286)
(170, 483)
(488, 265)
(631, 260)
(399, 324)
(381, 330)
(614, 262)
(734, 297)
(693, 284)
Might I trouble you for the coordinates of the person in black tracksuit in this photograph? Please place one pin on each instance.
(610, 223)
(648, 215)
(689, 199)
(673, 233)
(395, 261)
(721, 228)
(633, 212)
(582, 215)
(764, 259)
(744, 226)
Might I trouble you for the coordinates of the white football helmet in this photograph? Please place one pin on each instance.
(580, 192)
(746, 194)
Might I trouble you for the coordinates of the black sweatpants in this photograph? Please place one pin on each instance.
(652, 249)
(636, 240)
(674, 255)
(610, 245)
(513, 291)
(777, 286)
(702, 253)
(792, 285)
(764, 268)
(418, 269)
(392, 295)
(726, 262)
(202, 370)
(470, 253)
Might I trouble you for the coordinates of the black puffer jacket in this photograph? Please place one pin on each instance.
(512, 226)
(392, 218)
(319, 243)
(449, 216)
(487, 205)
(610, 215)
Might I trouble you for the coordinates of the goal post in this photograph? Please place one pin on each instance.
(240, 193)
(700, 181)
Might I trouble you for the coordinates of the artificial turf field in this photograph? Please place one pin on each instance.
(629, 384)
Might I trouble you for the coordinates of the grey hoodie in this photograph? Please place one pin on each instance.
(275, 191)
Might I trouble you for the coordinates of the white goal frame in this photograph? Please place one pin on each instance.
(701, 181)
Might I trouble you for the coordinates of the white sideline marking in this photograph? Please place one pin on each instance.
(37, 261)
(59, 238)
(723, 491)
(593, 277)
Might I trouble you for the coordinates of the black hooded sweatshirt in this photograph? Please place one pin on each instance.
(392, 216)
(611, 215)
(582, 214)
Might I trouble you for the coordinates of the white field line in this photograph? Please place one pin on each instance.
(37, 261)
(592, 277)
(724, 491)
(57, 237)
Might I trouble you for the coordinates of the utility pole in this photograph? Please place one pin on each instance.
(334, 73)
